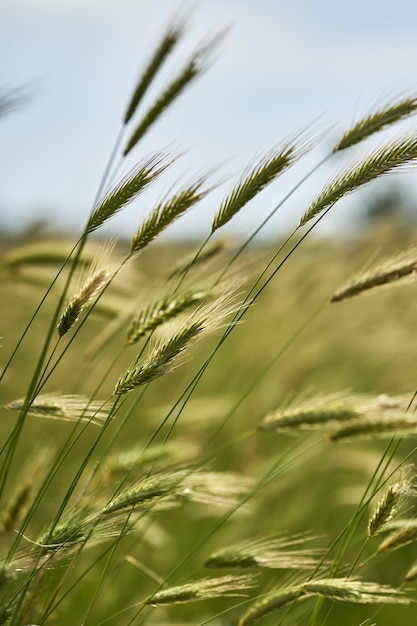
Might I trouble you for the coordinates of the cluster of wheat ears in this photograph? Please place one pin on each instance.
(111, 496)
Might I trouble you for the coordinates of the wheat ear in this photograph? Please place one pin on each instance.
(312, 414)
(162, 52)
(189, 72)
(256, 178)
(128, 189)
(393, 155)
(272, 602)
(399, 269)
(406, 533)
(389, 505)
(353, 590)
(166, 356)
(377, 121)
(203, 589)
(267, 552)
(166, 213)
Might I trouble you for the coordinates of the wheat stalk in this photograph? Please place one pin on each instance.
(267, 552)
(389, 505)
(166, 356)
(357, 591)
(312, 414)
(128, 189)
(257, 177)
(377, 121)
(188, 73)
(203, 589)
(271, 602)
(396, 154)
(406, 533)
(162, 52)
(166, 213)
(68, 407)
(399, 269)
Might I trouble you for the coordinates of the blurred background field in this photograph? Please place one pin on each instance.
(302, 343)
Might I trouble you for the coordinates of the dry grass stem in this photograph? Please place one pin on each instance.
(396, 154)
(270, 552)
(128, 189)
(256, 178)
(353, 590)
(398, 269)
(377, 121)
(162, 52)
(203, 589)
(166, 213)
(312, 414)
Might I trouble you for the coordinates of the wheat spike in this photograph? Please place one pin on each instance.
(256, 178)
(67, 408)
(128, 189)
(376, 427)
(406, 533)
(166, 213)
(353, 590)
(162, 52)
(272, 602)
(396, 270)
(377, 121)
(161, 311)
(267, 552)
(188, 73)
(389, 505)
(312, 414)
(396, 154)
(203, 589)
(167, 354)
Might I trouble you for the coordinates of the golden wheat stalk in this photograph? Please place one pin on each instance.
(169, 40)
(378, 120)
(396, 154)
(392, 271)
(128, 189)
(203, 589)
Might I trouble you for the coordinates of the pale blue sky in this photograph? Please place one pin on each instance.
(283, 64)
